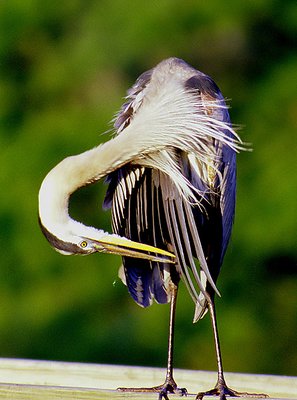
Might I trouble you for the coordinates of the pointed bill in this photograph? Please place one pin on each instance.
(124, 247)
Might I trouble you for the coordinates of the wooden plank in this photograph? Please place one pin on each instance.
(29, 379)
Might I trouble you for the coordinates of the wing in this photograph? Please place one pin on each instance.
(137, 212)
(223, 184)
(147, 207)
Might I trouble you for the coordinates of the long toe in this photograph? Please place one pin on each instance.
(163, 390)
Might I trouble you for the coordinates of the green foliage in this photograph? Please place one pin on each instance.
(65, 68)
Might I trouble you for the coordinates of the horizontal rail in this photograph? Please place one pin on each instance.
(30, 379)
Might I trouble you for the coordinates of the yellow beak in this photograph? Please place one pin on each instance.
(124, 247)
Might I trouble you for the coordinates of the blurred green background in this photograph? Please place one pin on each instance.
(65, 68)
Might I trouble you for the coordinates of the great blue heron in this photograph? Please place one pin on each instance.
(172, 175)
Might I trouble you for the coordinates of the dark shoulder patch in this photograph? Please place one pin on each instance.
(204, 84)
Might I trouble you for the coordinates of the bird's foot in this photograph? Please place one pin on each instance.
(169, 386)
(222, 390)
(166, 388)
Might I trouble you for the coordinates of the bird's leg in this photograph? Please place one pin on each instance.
(221, 389)
(169, 386)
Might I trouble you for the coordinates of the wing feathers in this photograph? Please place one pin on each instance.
(134, 201)
(177, 244)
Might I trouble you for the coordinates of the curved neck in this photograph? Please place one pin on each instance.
(80, 170)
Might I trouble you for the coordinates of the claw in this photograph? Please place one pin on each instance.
(168, 388)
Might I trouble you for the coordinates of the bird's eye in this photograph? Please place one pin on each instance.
(83, 244)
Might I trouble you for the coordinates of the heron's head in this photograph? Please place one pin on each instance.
(76, 238)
